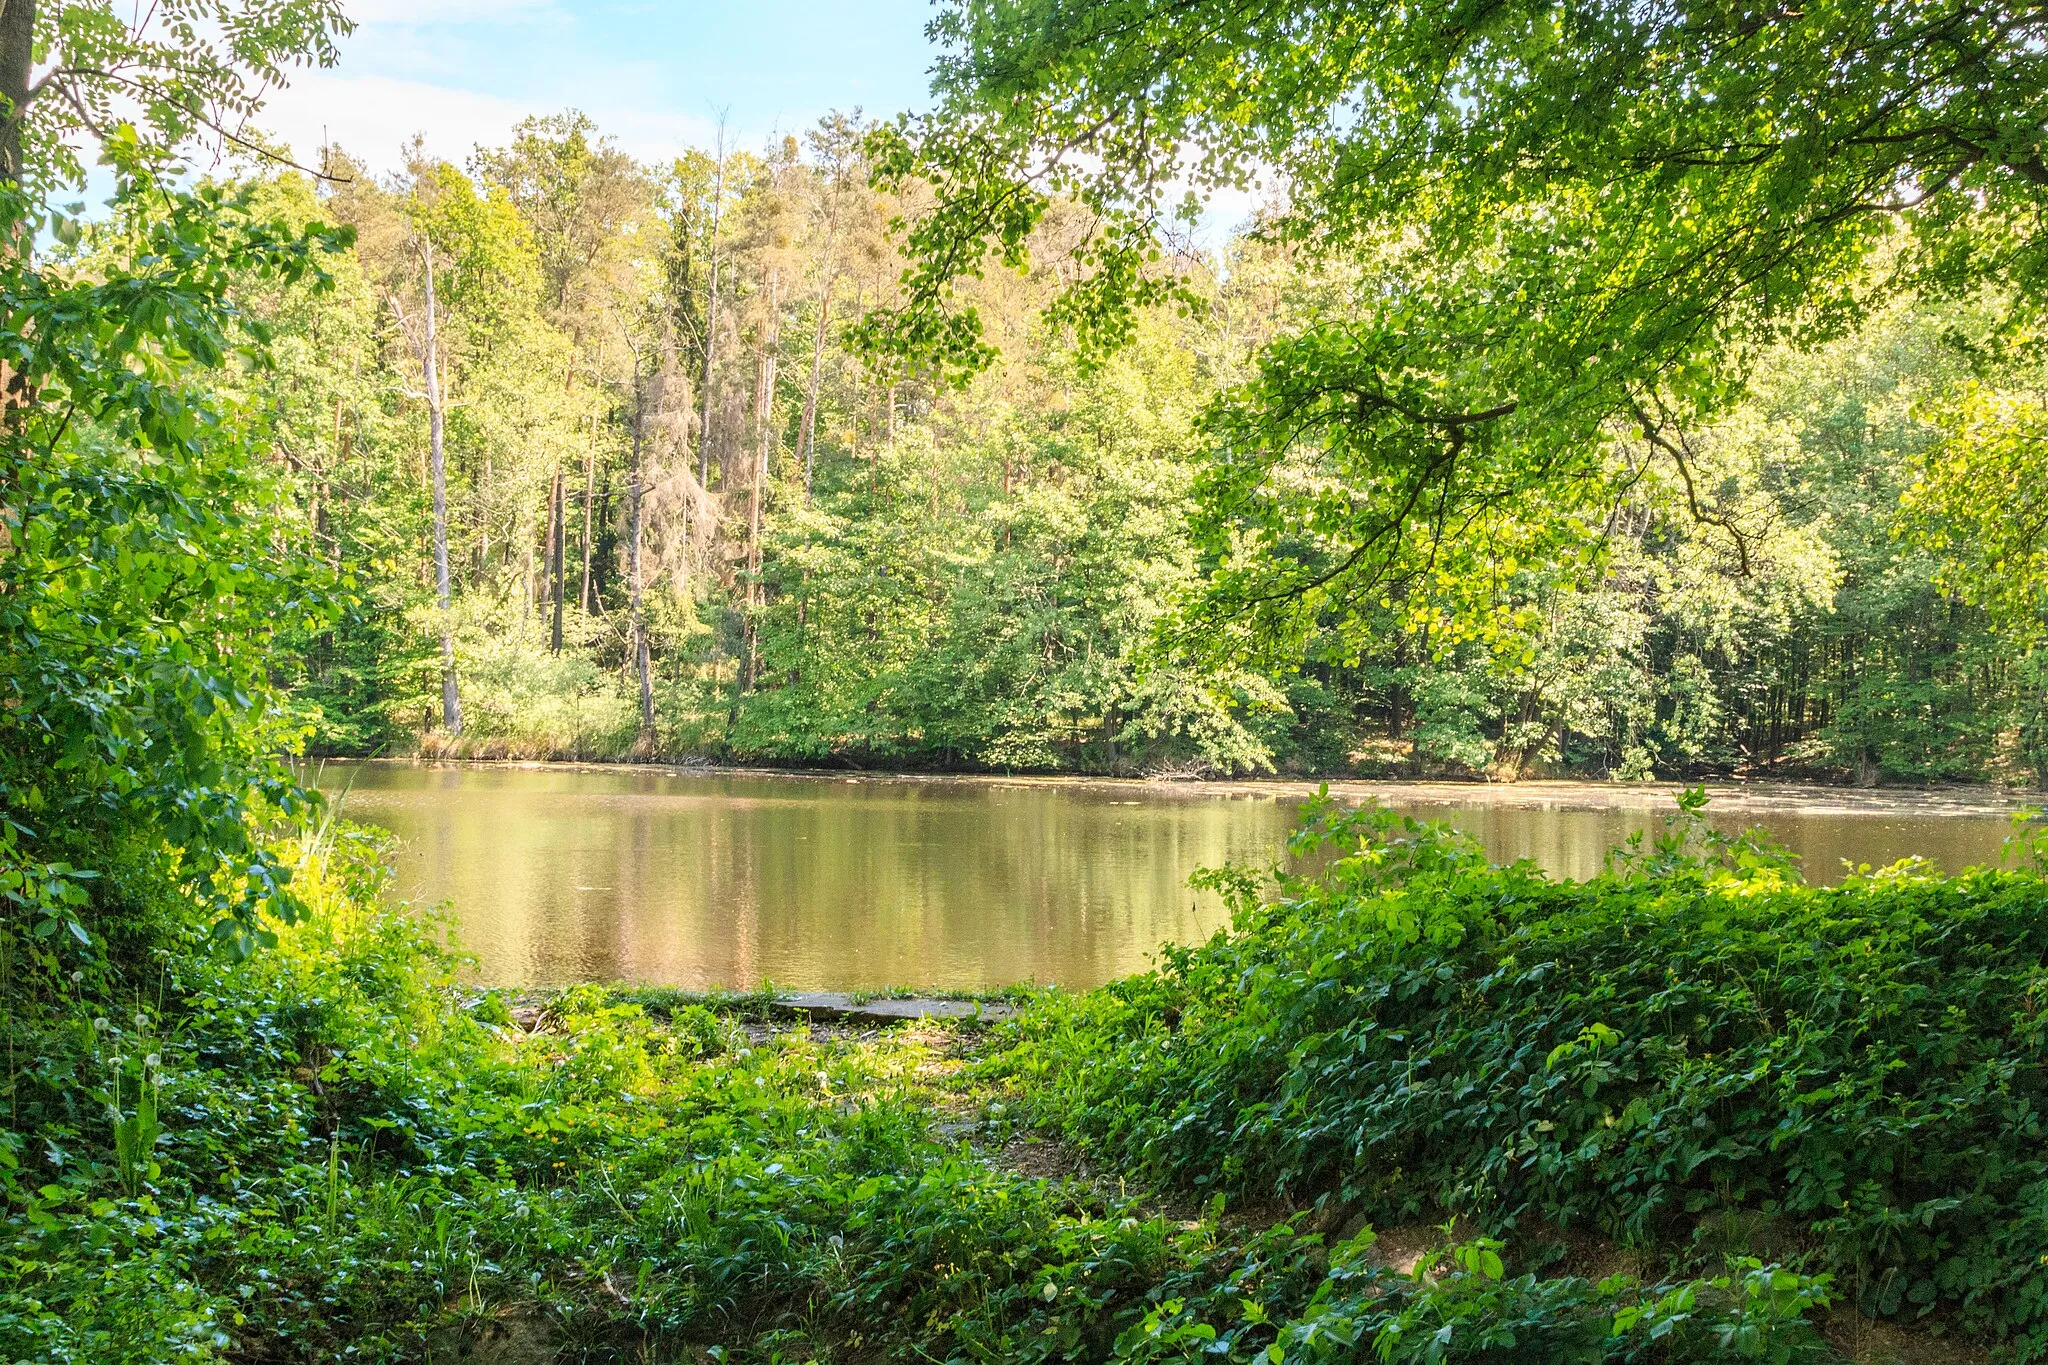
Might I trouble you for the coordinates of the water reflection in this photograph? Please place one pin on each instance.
(561, 875)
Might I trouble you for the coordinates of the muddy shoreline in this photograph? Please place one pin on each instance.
(1725, 797)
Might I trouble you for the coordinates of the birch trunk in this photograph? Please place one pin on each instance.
(555, 557)
(437, 463)
(642, 659)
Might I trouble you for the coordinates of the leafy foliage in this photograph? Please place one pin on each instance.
(136, 593)
(166, 73)
(1691, 1054)
(333, 1149)
(1013, 574)
(1553, 230)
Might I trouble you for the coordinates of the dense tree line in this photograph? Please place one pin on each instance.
(689, 508)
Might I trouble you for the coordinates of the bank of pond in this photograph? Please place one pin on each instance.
(1410, 1105)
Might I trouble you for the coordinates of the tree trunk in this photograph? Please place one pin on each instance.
(759, 475)
(17, 61)
(642, 658)
(853, 403)
(481, 500)
(764, 435)
(600, 565)
(831, 278)
(555, 554)
(589, 482)
(810, 420)
(1414, 718)
(1397, 694)
(451, 698)
(809, 425)
(711, 318)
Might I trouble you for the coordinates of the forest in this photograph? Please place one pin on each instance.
(1612, 390)
(626, 483)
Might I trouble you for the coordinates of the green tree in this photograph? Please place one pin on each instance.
(137, 597)
(1568, 224)
(176, 71)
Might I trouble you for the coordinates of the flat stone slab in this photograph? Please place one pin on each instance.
(840, 1005)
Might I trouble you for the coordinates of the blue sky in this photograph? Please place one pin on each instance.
(654, 75)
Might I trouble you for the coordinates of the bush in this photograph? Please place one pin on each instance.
(521, 701)
(1692, 1054)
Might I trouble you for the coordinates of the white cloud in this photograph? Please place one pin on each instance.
(373, 117)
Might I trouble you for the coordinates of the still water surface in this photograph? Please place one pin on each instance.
(566, 874)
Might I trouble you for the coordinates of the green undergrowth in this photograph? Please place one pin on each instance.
(335, 1151)
(1692, 1057)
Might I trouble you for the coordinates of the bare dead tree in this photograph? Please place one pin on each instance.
(423, 337)
(711, 312)
(663, 501)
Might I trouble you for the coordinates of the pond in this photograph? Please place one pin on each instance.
(559, 874)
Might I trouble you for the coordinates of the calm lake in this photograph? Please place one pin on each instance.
(562, 874)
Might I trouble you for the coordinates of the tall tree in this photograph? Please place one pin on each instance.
(140, 586)
(582, 198)
(662, 495)
(1567, 221)
(636, 526)
(711, 310)
(423, 334)
(765, 444)
(835, 147)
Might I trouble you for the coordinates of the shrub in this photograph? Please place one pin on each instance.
(1690, 1054)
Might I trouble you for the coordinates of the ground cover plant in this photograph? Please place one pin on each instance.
(1691, 1056)
(334, 1150)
